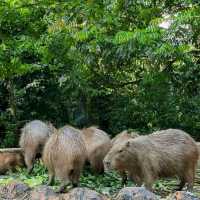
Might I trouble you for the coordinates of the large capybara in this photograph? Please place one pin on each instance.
(33, 138)
(148, 158)
(98, 144)
(64, 156)
(198, 145)
(10, 160)
(123, 136)
(118, 139)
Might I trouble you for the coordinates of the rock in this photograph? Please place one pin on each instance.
(43, 193)
(135, 193)
(82, 194)
(14, 191)
(182, 195)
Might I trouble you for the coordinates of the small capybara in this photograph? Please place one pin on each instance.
(10, 160)
(148, 158)
(33, 138)
(123, 136)
(64, 156)
(98, 144)
(118, 139)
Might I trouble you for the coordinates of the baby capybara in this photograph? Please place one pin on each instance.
(64, 156)
(118, 139)
(33, 138)
(148, 158)
(98, 144)
(10, 160)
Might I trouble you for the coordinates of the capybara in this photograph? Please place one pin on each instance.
(64, 156)
(124, 135)
(148, 158)
(98, 144)
(120, 138)
(33, 138)
(10, 160)
(198, 145)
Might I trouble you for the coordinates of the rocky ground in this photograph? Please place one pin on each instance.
(20, 191)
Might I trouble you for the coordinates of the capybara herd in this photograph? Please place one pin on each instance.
(141, 158)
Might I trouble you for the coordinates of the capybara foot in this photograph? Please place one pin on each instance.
(61, 189)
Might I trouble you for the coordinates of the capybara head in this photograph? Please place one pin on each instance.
(118, 156)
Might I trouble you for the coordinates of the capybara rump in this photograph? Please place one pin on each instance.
(33, 138)
(64, 156)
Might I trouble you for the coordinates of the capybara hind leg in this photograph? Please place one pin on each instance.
(51, 179)
(189, 179)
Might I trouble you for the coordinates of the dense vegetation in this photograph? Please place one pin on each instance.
(108, 63)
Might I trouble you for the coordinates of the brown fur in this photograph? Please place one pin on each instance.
(33, 138)
(10, 160)
(123, 136)
(98, 144)
(198, 145)
(118, 139)
(148, 158)
(64, 156)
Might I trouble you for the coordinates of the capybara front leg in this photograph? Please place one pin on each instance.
(124, 177)
(61, 188)
(181, 185)
(29, 157)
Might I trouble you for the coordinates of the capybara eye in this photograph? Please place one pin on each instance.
(120, 151)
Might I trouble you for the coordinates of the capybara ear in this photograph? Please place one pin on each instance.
(128, 144)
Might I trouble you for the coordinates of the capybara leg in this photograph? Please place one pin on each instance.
(181, 185)
(136, 179)
(75, 179)
(124, 177)
(190, 179)
(97, 166)
(61, 188)
(148, 182)
(51, 179)
(29, 161)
